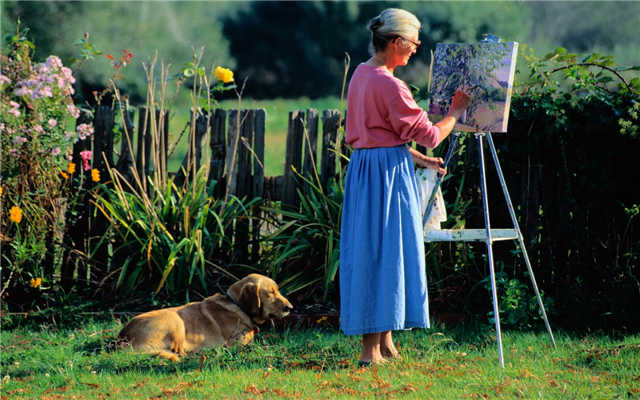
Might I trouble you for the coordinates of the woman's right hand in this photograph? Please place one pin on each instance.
(460, 102)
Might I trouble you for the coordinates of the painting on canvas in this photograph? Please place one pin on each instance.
(488, 69)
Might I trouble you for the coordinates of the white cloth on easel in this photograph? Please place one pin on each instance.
(426, 181)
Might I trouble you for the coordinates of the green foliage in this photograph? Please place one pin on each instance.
(517, 304)
(303, 250)
(169, 241)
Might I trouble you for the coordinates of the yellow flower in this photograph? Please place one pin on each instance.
(95, 175)
(223, 74)
(71, 168)
(15, 214)
(36, 282)
(1, 191)
(64, 174)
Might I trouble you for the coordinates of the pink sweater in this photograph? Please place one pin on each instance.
(381, 112)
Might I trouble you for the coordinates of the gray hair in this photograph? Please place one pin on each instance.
(389, 25)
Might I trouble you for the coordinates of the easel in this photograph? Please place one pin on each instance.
(488, 235)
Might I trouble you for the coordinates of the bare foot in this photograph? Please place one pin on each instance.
(391, 354)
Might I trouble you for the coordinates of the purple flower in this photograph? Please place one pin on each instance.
(22, 91)
(54, 62)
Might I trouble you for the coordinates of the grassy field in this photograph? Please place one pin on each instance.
(54, 362)
(276, 129)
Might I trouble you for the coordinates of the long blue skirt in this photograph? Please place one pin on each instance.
(382, 269)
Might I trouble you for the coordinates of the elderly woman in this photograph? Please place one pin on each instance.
(382, 265)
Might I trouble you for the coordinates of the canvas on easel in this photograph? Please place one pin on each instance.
(488, 70)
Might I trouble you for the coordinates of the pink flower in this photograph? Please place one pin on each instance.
(86, 156)
(84, 131)
(38, 128)
(56, 151)
(44, 91)
(19, 140)
(52, 123)
(15, 112)
(73, 110)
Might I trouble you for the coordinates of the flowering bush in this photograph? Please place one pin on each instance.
(36, 165)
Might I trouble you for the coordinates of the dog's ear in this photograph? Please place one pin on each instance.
(249, 298)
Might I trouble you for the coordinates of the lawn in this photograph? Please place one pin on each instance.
(57, 362)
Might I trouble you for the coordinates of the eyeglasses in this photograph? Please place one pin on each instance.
(417, 44)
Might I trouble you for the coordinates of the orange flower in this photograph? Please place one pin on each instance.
(1, 191)
(95, 175)
(64, 174)
(71, 168)
(15, 214)
(36, 282)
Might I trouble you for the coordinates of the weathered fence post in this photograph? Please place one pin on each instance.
(309, 169)
(103, 139)
(147, 128)
(244, 189)
(162, 143)
(77, 236)
(293, 159)
(102, 160)
(143, 153)
(258, 173)
(330, 130)
(125, 162)
(191, 161)
(232, 153)
(218, 147)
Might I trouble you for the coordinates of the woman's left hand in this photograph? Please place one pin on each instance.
(436, 163)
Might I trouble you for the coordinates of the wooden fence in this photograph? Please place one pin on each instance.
(237, 142)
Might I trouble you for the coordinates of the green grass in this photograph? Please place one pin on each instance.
(276, 129)
(57, 362)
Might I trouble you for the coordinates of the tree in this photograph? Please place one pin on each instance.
(175, 30)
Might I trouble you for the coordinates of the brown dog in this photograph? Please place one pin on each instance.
(219, 320)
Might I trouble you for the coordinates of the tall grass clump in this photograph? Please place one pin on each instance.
(167, 232)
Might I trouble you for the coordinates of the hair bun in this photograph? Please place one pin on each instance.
(375, 23)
